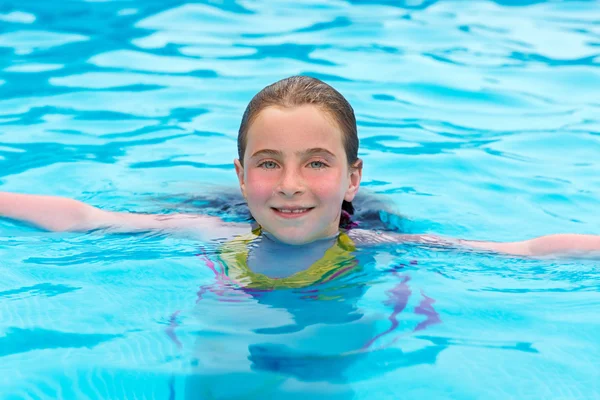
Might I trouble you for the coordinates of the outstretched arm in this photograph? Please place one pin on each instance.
(561, 244)
(62, 214)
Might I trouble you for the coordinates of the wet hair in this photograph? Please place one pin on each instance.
(297, 91)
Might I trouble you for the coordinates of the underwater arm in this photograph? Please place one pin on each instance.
(63, 214)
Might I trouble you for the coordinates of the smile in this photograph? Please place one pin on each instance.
(292, 212)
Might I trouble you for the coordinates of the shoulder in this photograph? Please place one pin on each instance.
(215, 229)
(367, 237)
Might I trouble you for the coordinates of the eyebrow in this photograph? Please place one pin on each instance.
(307, 152)
(267, 152)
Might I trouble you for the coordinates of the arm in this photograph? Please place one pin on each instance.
(62, 214)
(562, 244)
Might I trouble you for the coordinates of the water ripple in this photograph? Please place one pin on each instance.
(476, 119)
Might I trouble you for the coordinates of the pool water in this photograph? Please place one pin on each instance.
(477, 119)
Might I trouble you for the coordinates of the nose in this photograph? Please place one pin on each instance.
(291, 183)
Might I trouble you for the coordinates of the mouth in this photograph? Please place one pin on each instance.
(291, 212)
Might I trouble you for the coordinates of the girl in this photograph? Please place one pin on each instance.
(298, 169)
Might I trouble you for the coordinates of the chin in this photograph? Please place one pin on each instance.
(295, 240)
(293, 237)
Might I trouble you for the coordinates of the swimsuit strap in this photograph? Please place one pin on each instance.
(337, 261)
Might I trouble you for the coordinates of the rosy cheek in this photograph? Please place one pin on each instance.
(260, 183)
(327, 185)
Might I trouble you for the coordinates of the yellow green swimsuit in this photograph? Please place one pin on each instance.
(337, 261)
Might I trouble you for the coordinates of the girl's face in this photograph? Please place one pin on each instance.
(295, 174)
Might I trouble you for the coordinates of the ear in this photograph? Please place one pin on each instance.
(239, 170)
(355, 177)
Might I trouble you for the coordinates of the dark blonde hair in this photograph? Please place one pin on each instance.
(303, 90)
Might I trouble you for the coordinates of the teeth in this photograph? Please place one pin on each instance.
(295, 211)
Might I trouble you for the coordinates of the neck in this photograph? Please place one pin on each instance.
(276, 259)
(269, 236)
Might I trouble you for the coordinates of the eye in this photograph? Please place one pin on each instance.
(317, 164)
(268, 165)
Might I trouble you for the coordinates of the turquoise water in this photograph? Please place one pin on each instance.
(477, 119)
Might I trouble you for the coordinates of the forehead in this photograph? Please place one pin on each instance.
(298, 127)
